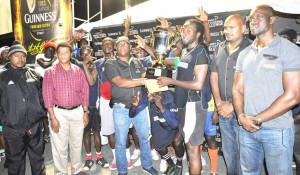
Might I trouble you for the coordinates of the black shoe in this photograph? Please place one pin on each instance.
(170, 170)
(178, 170)
(88, 165)
(122, 173)
(102, 162)
(151, 171)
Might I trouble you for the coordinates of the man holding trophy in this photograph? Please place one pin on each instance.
(192, 71)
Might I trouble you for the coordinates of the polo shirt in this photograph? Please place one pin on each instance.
(263, 77)
(132, 70)
(224, 64)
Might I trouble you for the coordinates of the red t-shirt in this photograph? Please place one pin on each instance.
(105, 90)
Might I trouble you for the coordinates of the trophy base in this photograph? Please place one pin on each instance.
(154, 73)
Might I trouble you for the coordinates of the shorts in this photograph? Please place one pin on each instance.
(107, 120)
(210, 129)
(94, 120)
(191, 122)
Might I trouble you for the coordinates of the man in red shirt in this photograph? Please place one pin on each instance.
(66, 97)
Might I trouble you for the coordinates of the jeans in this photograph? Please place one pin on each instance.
(297, 148)
(230, 144)
(122, 123)
(273, 145)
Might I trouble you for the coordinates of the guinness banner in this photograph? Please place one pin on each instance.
(36, 21)
(216, 22)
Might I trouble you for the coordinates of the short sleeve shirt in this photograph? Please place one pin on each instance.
(132, 70)
(224, 64)
(262, 71)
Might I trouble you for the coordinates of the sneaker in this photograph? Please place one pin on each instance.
(203, 161)
(129, 164)
(136, 154)
(213, 174)
(170, 170)
(122, 173)
(88, 165)
(151, 171)
(137, 162)
(178, 170)
(2, 155)
(102, 162)
(154, 154)
(163, 165)
(113, 166)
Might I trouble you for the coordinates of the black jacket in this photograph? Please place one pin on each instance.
(21, 97)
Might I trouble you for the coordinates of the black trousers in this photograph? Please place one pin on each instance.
(17, 143)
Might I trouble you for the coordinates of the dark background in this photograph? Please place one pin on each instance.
(109, 7)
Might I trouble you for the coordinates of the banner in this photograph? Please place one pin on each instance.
(36, 21)
(216, 24)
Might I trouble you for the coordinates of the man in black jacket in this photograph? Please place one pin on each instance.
(21, 112)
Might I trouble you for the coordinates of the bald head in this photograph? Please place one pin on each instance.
(234, 28)
(237, 18)
(268, 9)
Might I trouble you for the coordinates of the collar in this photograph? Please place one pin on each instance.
(272, 44)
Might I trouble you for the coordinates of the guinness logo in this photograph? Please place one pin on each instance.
(31, 5)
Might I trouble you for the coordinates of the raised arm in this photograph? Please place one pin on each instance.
(204, 19)
(127, 23)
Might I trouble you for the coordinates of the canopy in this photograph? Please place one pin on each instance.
(152, 9)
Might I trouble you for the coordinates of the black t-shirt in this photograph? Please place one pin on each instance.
(189, 59)
(133, 70)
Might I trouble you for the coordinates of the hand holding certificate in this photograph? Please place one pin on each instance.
(152, 86)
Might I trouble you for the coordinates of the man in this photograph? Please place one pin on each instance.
(21, 113)
(124, 73)
(164, 123)
(66, 96)
(266, 87)
(192, 71)
(47, 58)
(107, 122)
(291, 35)
(91, 70)
(221, 80)
(43, 61)
(3, 55)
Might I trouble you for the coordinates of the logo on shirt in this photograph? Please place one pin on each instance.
(269, 66)
(10, 82)
(138, 71)
(30, 80)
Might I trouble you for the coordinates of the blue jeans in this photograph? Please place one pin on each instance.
(122, 123)
(273, 145)
(230, 144)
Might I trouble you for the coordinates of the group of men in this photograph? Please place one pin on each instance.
(254, 85)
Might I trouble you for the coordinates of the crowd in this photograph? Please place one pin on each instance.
(72, 97)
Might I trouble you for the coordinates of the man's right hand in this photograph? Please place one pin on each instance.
(248, 124)
(225, 109)
(54, 124)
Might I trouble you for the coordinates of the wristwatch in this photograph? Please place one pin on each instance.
(86, 111)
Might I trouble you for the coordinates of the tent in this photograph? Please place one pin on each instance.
(150, 10)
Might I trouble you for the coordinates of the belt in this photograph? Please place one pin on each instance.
(123, 105)
(67, 108)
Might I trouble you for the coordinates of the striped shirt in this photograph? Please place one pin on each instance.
(66, 88)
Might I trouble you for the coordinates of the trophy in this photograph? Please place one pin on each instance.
(160, 40)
